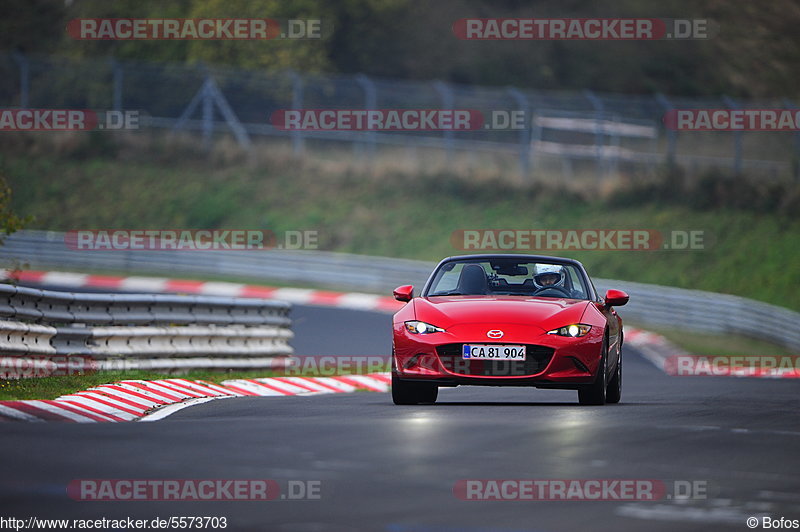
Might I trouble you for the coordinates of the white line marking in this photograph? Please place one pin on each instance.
(168, 410)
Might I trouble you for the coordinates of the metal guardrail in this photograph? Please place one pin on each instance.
(697, 310)
(48, 306)
(45, 249)
(125, 331)
(650, 304)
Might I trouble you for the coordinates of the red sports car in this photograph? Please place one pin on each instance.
(508, 320)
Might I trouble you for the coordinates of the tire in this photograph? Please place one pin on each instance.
(595, 393)
(614, 390)
(413, 393)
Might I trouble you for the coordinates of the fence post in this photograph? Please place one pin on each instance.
(616, 144)
(215, 95)
(209, 94)
(370, 102)
(116, 98)
(298, 143)
(737, 139)
(795, 162)
(672, 134)
(524, 133)
(24, 79)
(198, 96)
(598, 129)
(446, 94)
(208, 113)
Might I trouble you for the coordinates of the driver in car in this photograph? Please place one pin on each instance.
(547, 279)
(548, 275)
(551, 276)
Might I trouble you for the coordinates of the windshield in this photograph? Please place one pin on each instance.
(508, 277)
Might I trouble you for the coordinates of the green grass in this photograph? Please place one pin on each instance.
(706, 344)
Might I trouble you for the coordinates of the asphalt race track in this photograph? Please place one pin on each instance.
(388, 468)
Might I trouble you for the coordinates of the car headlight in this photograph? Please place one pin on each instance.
(573, 331)
(420, 327)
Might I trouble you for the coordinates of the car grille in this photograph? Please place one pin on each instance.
(536, 359)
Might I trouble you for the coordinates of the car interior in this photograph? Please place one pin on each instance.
(504, 278)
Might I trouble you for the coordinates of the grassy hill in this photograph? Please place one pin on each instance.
(752, 230)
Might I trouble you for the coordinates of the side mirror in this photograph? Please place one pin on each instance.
(404, 293)
(616, 298)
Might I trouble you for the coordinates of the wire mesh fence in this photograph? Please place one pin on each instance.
(532, 132)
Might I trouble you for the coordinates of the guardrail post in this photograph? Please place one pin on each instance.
(370, 102)
(672, 134)
(24, 79)
(524, 133)
(298, 143)
(737, 139)
(598, 131)
(446, 94)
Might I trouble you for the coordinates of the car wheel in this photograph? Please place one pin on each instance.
(413, 393)
(614, 391)
(595, 393)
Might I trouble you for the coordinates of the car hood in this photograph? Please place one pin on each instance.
(547, 313)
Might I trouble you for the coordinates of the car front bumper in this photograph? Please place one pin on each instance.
(551, 361)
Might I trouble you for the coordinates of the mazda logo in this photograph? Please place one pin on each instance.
(495, 334)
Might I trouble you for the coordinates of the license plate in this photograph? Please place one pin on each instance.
(493, 352)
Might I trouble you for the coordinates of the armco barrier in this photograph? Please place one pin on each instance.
(26, 338)
(650, 304)
(49, 306)
(122, 331)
